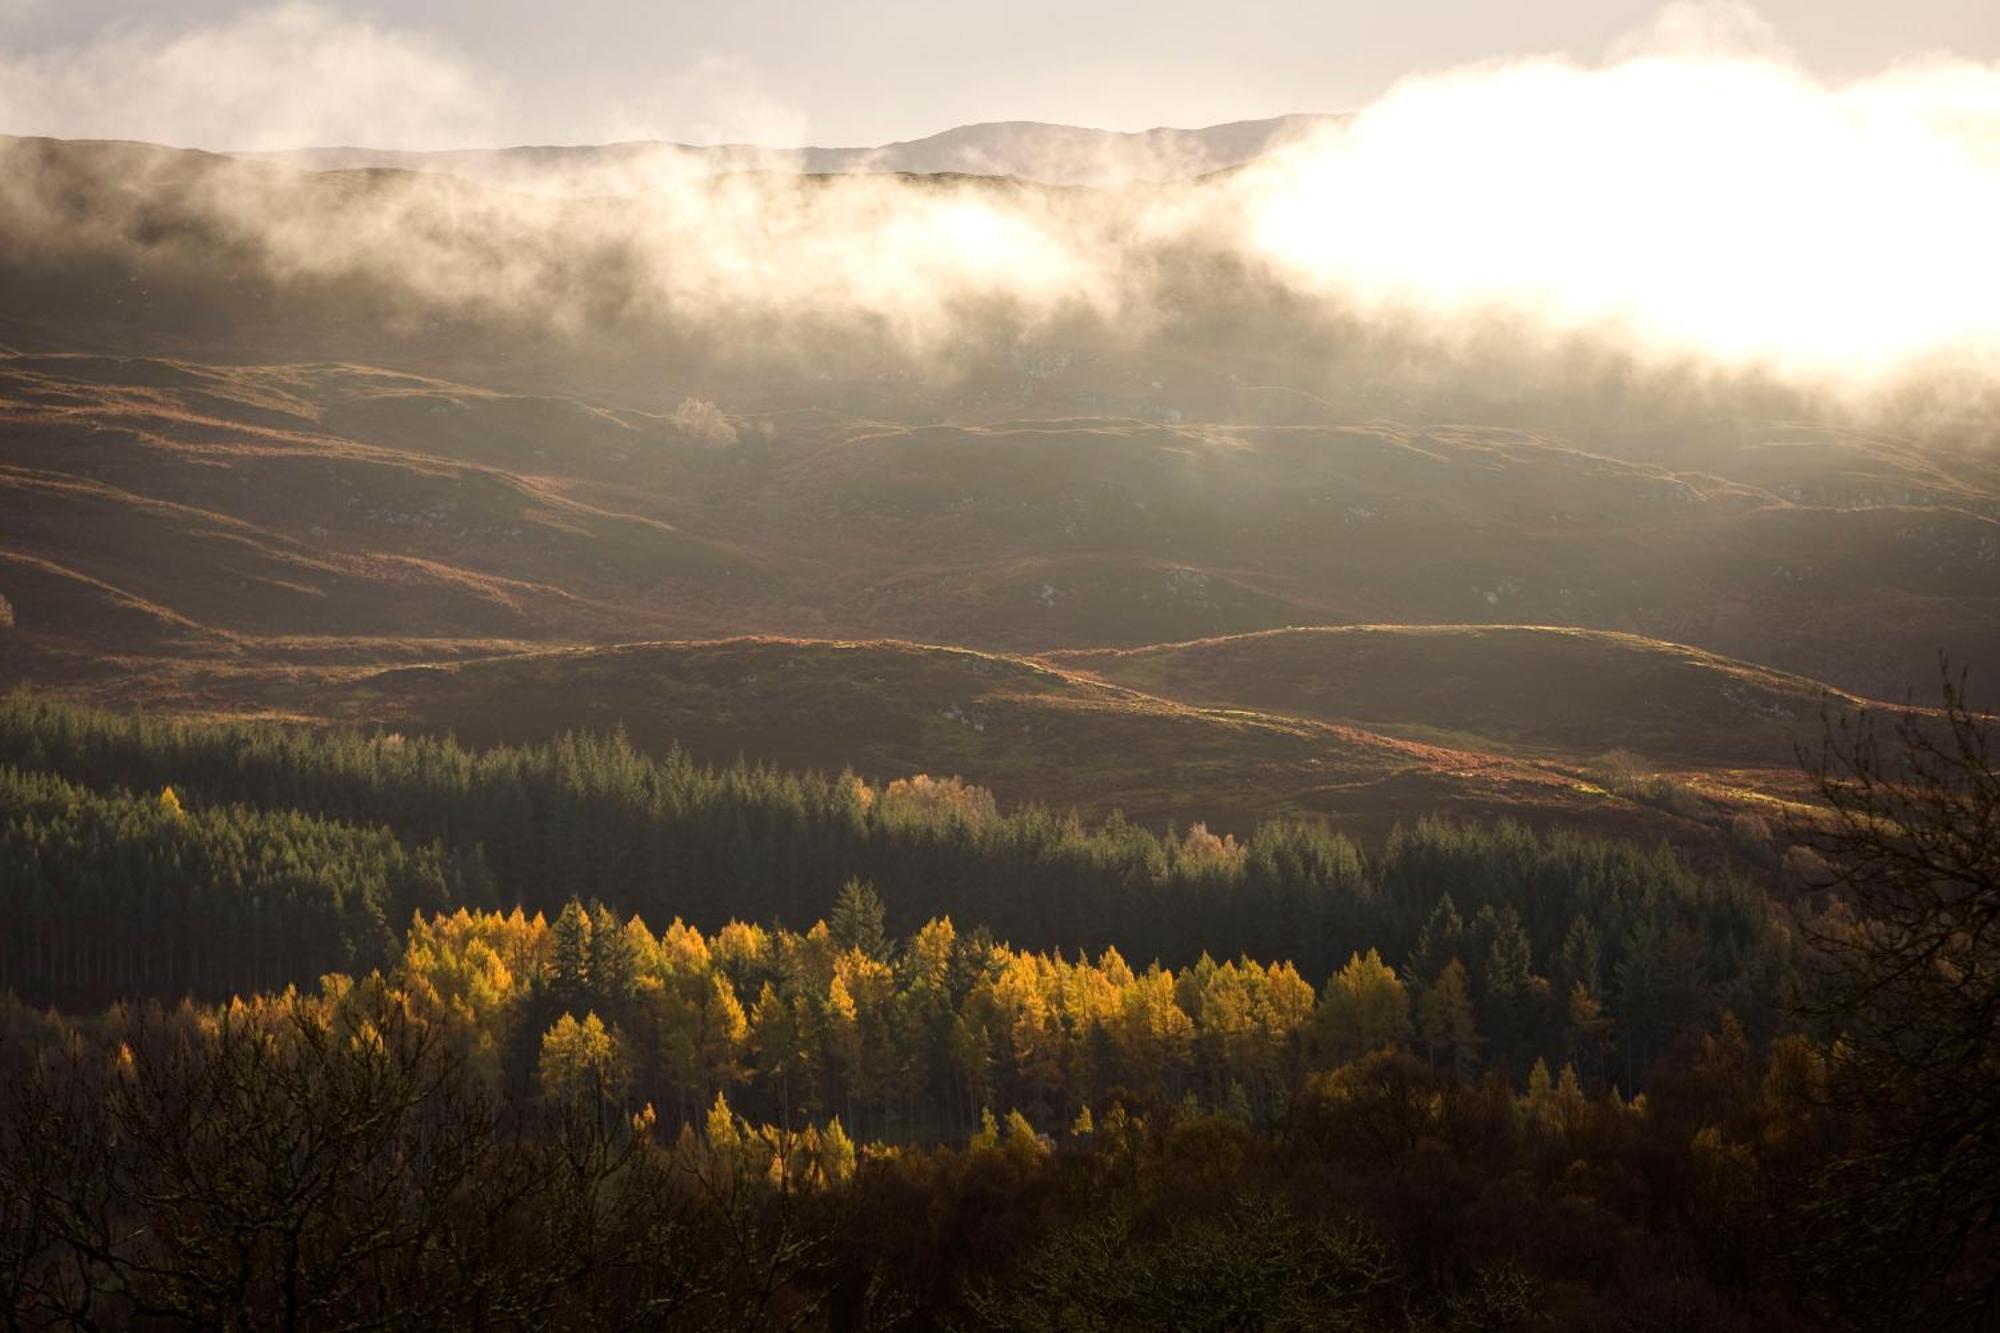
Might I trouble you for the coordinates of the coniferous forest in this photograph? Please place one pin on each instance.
(328, 1030)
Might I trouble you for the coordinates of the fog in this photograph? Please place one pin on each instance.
(1694, 200)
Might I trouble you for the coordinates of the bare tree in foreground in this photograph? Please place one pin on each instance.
(1904, 978)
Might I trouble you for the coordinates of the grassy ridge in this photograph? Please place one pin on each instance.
(1532, 689)
(278, 500)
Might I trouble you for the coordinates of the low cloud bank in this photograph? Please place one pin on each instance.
(1693, 199)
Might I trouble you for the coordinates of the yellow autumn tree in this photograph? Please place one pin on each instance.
(1366, 1008)
(1023, 1146)
(703, 1030)
(928, 954)
(582, 1062)
(722, 1130)
(835, 1153)
(1154, 1036)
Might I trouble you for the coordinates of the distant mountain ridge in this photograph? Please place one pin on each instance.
(1028, 150)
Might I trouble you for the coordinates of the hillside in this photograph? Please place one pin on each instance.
(1519, 688)
(246, 470)
(887, 709)
(1030, 730)
(242, 503)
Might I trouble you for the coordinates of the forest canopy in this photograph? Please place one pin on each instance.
(570, 1034)
(283, 854)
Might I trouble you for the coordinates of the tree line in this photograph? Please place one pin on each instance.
(332, 1161)
(573, 1119)
(116, 893)
(292, 852)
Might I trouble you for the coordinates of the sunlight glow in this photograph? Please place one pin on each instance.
(1724, 207)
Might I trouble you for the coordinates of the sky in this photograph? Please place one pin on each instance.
(462, 73)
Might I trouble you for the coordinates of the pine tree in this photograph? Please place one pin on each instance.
(571, 963)
(613, 968)
(1506, 991)
(857, 920)
(1581, 956)
(1445, 1020)
(1441, 940)
(1641, 997)
(1586, 1030)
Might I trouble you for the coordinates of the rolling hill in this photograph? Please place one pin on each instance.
(1024, 728)
(350, 502)
(1523, 689)
(230, 488)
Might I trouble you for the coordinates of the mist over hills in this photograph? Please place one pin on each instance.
(1027, 150)
(390, 446)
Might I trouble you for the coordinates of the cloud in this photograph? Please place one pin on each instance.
(1721, 205)
(1703, 30)
(281, 77)
(1694, 197)
(299, 74)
